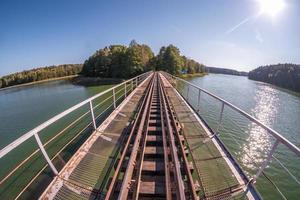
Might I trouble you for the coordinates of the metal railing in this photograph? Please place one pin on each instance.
(115, 94)
(279, 139)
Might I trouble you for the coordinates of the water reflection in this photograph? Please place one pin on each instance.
(259, 141)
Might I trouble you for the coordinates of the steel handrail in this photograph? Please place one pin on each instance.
(270, 154)
(42, 126)
(277, 135)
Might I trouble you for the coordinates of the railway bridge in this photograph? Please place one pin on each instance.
(141, 139)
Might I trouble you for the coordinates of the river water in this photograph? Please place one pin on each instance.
(23, 108)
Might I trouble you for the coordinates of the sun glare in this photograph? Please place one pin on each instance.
(271, 7)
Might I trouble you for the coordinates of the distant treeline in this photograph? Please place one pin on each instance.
(114, 61)
(225, 71)
(40, 74)
(120, 61)
(282, 75)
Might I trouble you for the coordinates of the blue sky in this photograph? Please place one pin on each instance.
(40, 33)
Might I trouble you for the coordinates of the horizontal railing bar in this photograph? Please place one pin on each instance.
(276, 187)
(29, 134)
(46, 143)
(120, 90)
(246, 153)
(53, 138)
(278, 136)
(286, 169)
(44, 167)
(37, 150)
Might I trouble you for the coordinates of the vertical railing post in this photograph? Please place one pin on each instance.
(221, 116)
(266, 162)
(136, 83)
(114, 97)
(131, 85)
(187, 95)
(199, 100)
(93, 116)
(38, 140)
(125, 89)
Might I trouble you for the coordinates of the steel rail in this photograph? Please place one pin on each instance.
(173, 151)
(171, 123)
(37, 129)
(131, 163)
(117, 170)
(178, 184)
(274, 133)
(142, 152)
(168, 183)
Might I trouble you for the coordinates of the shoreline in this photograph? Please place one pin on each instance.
(193, 75)
(75, 79)
(277, 87)
(38, 82)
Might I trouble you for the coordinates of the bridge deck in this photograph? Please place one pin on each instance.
(86, 173)
(216, 177)
(85, 176)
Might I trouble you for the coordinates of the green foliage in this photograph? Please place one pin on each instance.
(39, 74)
(170, 60)
(191, 66)
(118, 61)
(282, 75)
(115, 61)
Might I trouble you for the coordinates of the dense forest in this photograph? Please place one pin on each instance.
(119, 61)
(217, 70)
(282, 75)
(170, 60)
(114, 61)
(40, 74)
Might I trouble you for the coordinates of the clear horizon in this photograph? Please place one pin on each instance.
(232, 34)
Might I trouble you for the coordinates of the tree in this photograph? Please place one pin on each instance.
(118, 61)
(169, 59)
(284, 75)
(132, 43)
(138, 58)
(40, 74)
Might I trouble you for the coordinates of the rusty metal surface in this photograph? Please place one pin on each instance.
(153, 163)
(216, 175)
(85, 175)
(153, 147)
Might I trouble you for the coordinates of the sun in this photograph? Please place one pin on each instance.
(271, 7)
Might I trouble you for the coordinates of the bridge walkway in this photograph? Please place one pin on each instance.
(216, 178)
(86, 174)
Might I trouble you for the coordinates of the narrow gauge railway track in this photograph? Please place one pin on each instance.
(153, 163)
